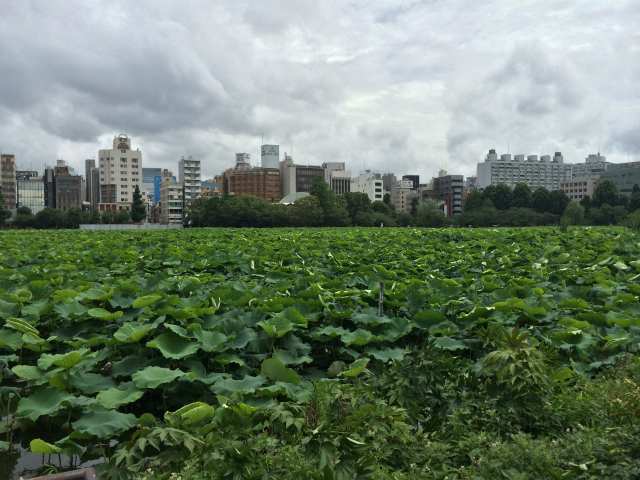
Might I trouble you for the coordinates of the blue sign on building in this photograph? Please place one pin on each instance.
(157, 180)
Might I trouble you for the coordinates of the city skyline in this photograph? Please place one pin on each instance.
(409, 87)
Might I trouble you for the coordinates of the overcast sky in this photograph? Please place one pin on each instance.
(403, 86)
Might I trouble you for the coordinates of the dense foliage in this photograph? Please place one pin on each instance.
(253, 354)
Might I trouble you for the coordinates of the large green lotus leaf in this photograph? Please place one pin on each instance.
(173, 346)
(96, 294)
(28, 372)
(242, 338)
(103, 314)
(211, 341)
(152, 377)
(191, 414)
(388, 354)
(277, 326)
(358, 337)
(123, 395)
(228, 359)
(289, 358)
(45, 401)
(104, 423)
(35, 310)
(128, 366)
(448, 343)
(70, 309)
(426, 318)
(229, 386)
(355, 369)
(329, 331)
(274, 369)
(132, 332)
(370, 319)
(10, 339)
(8, 309)
(62, 360)
(146, 300)
(90, 383)
(38, 445)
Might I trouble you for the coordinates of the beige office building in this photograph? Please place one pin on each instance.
(120, 173)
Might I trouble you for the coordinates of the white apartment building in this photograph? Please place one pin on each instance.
(120, 172)
(190, 180)
(536, 172)
(370, 184)
(171, 203)
(270, 156)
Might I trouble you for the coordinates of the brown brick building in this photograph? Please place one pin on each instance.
(257, 182)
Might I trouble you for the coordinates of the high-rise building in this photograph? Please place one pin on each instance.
(388, 181)
(243, 160)
(30, 190)
(151, 187)
(190, 179)
(449, 189)
(92, 185)
(120, 173)
(403, 195)
(298, 178)
(171, 200)
(337, 177)
(368, 183)
(257, 182)
(545, 172)
(8, 180)
(270, 156)
(414, 179)
(67, 188)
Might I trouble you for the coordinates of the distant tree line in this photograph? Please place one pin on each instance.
(520, 206)
(73, 217)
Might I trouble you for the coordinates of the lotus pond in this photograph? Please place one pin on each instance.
(323, 353)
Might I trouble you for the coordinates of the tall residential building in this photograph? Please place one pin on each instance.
(370, 184)
(257, 182)
(30, 190)
(449, 189)
(8, 180)
(414, 179)
(543, 172)
(298, 178)
(92, 179)
(190, 179)
(270, 156)
(151, 186)
(403, 195)
(120, 173)
(67, 188)
(171, 200)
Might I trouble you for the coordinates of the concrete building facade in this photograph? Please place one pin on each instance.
(191, 180)
(120, 173)
(578, 188)
(623, 175)
(414, 179)
(92, 183)
(536, 172)
(171, 200)
(403, 196)
(298, 178)
(370, 184)
(8, 180)
(337, 177)
(449, 189)
(270, 156)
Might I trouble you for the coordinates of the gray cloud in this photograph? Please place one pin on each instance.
(402, 85)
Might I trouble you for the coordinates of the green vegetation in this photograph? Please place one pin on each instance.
(254, 354)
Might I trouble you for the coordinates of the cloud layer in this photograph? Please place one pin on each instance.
(404, 86)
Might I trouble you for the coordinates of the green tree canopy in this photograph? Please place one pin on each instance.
(605, 192)
(138, 208)
(521, 196)
(541, 199)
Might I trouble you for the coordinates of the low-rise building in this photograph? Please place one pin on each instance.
(298, 178)
(337, 177)
(578, 188)
(213, 187)
(257, 182)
